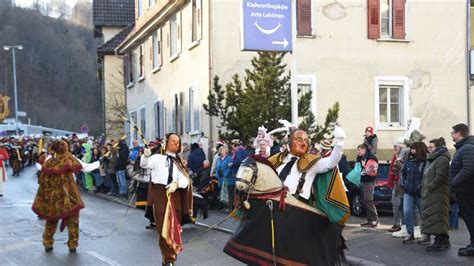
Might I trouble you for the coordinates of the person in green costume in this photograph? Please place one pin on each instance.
(89, 183)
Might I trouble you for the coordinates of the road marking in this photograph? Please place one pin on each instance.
(15, 246)
(103, 258)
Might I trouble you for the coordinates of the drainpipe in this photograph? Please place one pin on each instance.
(468, 70)
(211, 136)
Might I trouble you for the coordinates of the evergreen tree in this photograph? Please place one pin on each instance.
(265, 99)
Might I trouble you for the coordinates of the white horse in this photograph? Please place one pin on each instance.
(257, 178)
(291, 234)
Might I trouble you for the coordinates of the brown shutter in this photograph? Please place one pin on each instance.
(373, 11)
(398, 19)
(303, 9)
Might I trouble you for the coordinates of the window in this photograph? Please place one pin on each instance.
(392, 102)
(151, 3)
(128, 68)
(173, 36)
(141, 60)
(193, 115)
(156, 46)
(303, 14)
(133, 132)
(159, 118)
(305, 84)
(386, 19)
(196, 29)
(140, 9)
(143, 121)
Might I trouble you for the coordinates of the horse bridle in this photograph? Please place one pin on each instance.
(252, 164)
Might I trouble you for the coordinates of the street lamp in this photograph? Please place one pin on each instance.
(6, 48)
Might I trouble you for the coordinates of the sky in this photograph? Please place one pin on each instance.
(29, 3)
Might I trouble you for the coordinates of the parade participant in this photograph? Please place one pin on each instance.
(88, 180)
(58, 196)
(3, 173)
(169, 176)
(268, 140)
(297, 168)
(325, 148)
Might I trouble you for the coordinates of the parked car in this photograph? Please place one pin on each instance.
(382, 193)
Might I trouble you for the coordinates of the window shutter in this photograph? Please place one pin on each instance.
(179, 32)
(373, 11)
(143, 123)
(187, 111)
(303, 8)
(182, 104)
(199, 19)
(398, 19)
(156, 120)
(196, 108)
(172, 127)
(126, 67)
(162, 120)
(152, 44)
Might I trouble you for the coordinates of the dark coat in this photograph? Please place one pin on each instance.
(195, 159)
(371, 144)
(461, 173)
(435, 194)
(123, 157)
(367, 157)
(412, 176)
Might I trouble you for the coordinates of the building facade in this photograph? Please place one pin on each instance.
(113, 20)
(384, 61)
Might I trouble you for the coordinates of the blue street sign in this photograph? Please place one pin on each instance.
(266, 25)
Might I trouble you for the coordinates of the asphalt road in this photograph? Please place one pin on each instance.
(114, 234)
(130, 244)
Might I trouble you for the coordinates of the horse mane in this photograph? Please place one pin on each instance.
(261, 159)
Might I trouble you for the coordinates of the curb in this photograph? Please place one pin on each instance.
(220, 229)
(126, 204)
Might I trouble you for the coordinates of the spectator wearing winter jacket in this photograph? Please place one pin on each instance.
(121, 168)
(195, 158)
(461, 179)
(394, 185)
(369, 172)
(370, 140)
(435, 197)
(412, 178)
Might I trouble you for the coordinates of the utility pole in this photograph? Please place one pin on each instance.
(6, 48)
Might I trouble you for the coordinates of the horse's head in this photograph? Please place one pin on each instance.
(256, 176)
(247, 174)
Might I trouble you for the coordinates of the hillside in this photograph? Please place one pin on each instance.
(56, 70)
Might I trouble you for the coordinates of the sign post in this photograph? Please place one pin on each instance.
(266, 25)
(270, 25)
